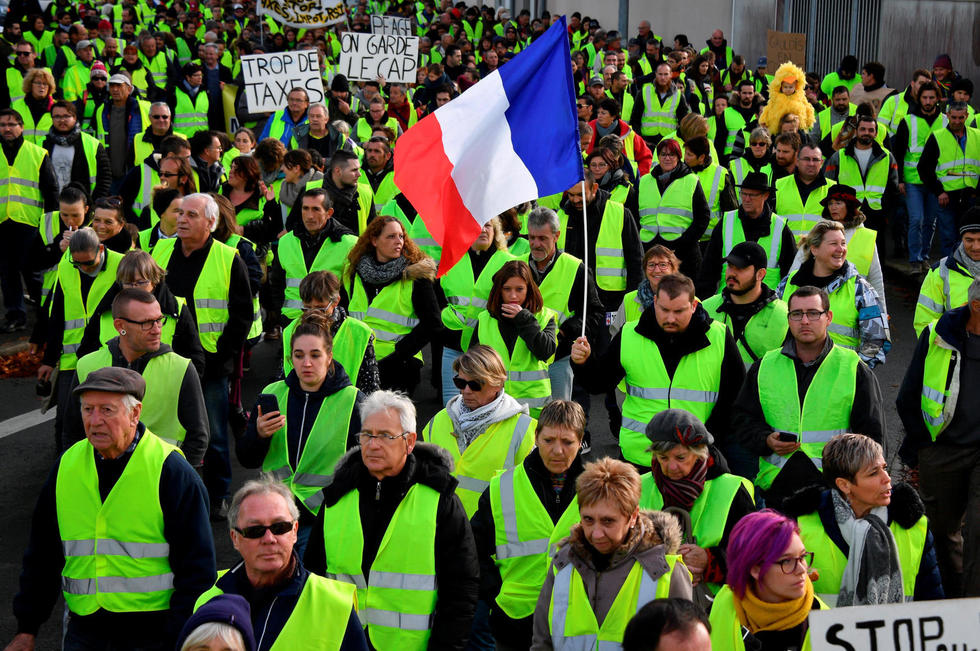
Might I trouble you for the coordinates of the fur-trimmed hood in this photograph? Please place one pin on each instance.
(656, 533)
(424, 269)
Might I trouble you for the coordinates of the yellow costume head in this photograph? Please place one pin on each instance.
(786, 95)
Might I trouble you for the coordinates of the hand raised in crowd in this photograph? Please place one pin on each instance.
(782, 448)
(581, 350)
(269, 424)
(268, 192)
(510, 310)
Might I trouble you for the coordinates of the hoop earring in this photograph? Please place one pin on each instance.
(122, 332)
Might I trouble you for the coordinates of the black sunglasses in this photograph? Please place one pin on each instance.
(109, 202)
(474, 385)
(258, 530)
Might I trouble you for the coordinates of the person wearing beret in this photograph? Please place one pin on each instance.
(120, 530)
(689, 473)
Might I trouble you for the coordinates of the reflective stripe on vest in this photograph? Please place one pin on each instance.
(527, 376)
(919, 132)
(116, 556)
(390, 314)
(861, 248)
(957, 168)
(733, 233)
(709, 513)
(572, 622)
(609, 259)
(765, 330)
(329, 257)
(658, 118)
(525, 539)
(398, 600)
(820, 418)
(164, 374)
(467, 293)
(78, 312)
(210, 289)
(190, 115)
(320, 450)
(20, 191)
(845, 329)
(149, 179)
(870, 188)
(940, 384)
(556, 288)
(711, 179)
(789, 204)
(502, 446)
(693, 387)
(669, 215)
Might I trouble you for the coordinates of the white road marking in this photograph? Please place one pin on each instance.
(24, 421)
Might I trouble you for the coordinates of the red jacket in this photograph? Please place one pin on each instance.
(641, 153)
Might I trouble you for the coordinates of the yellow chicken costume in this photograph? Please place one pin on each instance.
(791, 99)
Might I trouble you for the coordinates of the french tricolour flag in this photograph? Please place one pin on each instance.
(511, 138)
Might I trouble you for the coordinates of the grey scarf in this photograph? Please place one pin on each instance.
(377, 273)
(968, 263)
(873, 574)
(67, 139)
(470, 423)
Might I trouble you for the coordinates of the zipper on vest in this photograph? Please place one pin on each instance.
(377, 493)
(302, 427)
(266, 622)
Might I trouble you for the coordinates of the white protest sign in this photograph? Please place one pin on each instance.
(365, 57)
(303, 13)
(921, 626)
(270, 77)
(395, 25)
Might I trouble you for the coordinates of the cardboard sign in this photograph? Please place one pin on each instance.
(303, 13)
(785, 46)
(364, 57)
(924, 625)
(391, 25)
(270, 77)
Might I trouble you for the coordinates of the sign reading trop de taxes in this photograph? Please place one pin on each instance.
(269, 78)
(365, 57)
(386, 25)
(946, 625)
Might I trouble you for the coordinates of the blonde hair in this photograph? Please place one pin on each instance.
(692, 125)
(482, 363)
(609, 479)
(815, 236)
(32, 74)
(139, 264)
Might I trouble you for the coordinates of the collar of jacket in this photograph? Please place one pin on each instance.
(693, 339)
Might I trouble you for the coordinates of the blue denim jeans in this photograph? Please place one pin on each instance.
(561, 376)
(217, 462)
(481, 637)
(922, 207)
(449, 389)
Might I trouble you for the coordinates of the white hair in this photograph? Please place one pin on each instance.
(383, 400)
(212, 631)
(541, 217)
(264, 485)
(130, 402)
(210, 207)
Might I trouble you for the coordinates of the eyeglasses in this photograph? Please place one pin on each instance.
(366, 437)
(474, 385)
(62, 116)
(109, 202)
(759, 144)
(85, 263)
(788, 565)
(658, 265)
(100, 78)
(147, 325)
(258, 530)
(136, 284)
(169, 175)
(811, 315)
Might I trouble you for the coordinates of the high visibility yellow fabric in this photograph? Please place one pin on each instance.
(365, 200)
(871, 187)
(15, 83)
(157, 66)
(467, 294)
(740, 168)
(942, 290)
(397, 600)
(90, 147)
(572, 622)
(766, 329)
(726, 630)
(322, 449)
(824, 117)
(733, 233)
(658, 118)
(318, 620)
(861, 248)
(34, 132)
(694, 386)
(349, 345)
(386, 191)
(331, 257)
(712, 180)
(830, 561)
(940, 383)
(149, 179)
(919, 132)
(669, 215)
(503, 446)
(819, 419)
(893, 110)
(164, 374)
(958, 168)
(527, 376)
(77, 312)
(556, 288)
(363, 128)
(390, 314)
(210, 290)
(845, 329)
(800, 216)
(632, 306)
(20, 191)
(190, 115)
(524, 539)
(710, 510)
(116, 555)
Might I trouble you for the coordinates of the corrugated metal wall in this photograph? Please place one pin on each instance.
(845, 27)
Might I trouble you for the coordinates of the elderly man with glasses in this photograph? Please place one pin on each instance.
(393, 526)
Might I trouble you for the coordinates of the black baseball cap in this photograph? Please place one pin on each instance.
(747, 254)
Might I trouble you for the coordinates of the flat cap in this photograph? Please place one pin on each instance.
(678, 426)
(113, 380)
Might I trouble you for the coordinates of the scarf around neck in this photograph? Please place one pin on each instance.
(758, 615)
(470, 423)
(67, 139)
(968, 263)
(645, 293)
(377, 273)
(684, 491)
(873, 574)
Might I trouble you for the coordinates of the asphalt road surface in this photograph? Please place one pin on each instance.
(27, 449)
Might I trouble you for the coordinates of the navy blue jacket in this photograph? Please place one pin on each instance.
(186, 527)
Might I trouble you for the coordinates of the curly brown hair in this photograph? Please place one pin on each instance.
(365, 246)
(533, 302)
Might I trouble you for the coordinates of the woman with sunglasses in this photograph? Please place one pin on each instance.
(871, 538)
(859, 319)
(768, 595)
(483, 428)
(353, 339)
(303, 425)
(757, 158)
(109, 223)
(522, 330)
(175, 173)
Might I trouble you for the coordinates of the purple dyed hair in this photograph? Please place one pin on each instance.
(758, 539)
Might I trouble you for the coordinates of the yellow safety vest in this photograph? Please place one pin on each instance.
(669, 215)
(958, 169)
(919, 132)
(870, 188)
(765, 330)
(527, 376)
(733, 233)
(658, 118)
(78, 313)
(331, 257)
(800, 217)
(20, 191)
(390, 314)
(190, 115)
